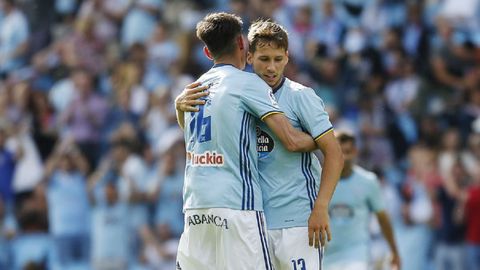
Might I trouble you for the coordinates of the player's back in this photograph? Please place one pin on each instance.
(221, 169)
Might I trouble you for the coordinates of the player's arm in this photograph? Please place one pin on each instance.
(318, 223)
(189, 100)
(387, 231)
(294, 140)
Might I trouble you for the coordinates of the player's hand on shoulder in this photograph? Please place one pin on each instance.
(189, 99)
(319, 227)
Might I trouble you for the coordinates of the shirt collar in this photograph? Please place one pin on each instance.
(279, 86)
(221, 65)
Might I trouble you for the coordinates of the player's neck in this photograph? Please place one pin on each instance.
(279, 84)
(346, 172)
(230, 60)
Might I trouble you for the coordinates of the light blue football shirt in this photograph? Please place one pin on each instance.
(289, 180)
(111, 234)
(355, 198)
(68, 206)
(168, 209)
(31, 247)
(222, 163)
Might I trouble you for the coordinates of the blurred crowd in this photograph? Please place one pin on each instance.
(91, 159)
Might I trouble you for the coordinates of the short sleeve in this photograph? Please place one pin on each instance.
(311, 111)
(375, 198)
(258, 99)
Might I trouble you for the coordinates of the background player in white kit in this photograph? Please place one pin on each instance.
(224, 224)
(357, 196)
(296, 216)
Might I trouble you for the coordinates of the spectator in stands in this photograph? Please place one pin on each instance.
(80, 48)
(471, 111)
(111, 224)
(28, 168)
(3, 241)
(68, 207)
(158, 117)
(160, 242)
(106, 15)
(327, 34)
(127, 81)
(450, 153)
(32, 246)
(449, 253)
(14, 34)
(133, 186)
(168, 213)
(65, 8)
(429, 131)
(84, 115)
(119, 113)
(450, 61)
(472, 221)
(300, 32)
(139, 23)
(373, 124)
(40, 17)
(44, 127)
(162, 49)
(472, 153)
(8, 159)
(415, 37)
(414, 234)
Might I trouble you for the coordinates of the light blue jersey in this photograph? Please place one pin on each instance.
(355, 198)
(290, 180)
(111, 232)
(221, 169)
(68, 207)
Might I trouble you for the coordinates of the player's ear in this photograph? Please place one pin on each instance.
(240, 42)
(287, 56)
(207, 53)
(249, 58)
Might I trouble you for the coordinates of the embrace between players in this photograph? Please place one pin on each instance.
(255, 196)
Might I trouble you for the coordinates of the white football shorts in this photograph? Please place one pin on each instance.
(290, 250)
(223, 239)
(352, 265)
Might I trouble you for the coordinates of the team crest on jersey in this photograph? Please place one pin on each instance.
(341, 213)
(213, 83)
(206, 159)
(265, 143)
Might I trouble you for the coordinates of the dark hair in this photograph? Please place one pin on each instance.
(218, 31)
(243, 2)
(266, 31)
(32, 265)
(122, 143)
(10, 2)
(32, 220)
(345, 137)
